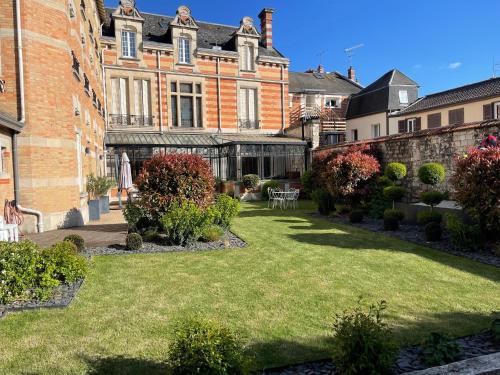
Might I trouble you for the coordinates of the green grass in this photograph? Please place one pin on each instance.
(280, 292)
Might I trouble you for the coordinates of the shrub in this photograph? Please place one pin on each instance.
(425, 217)
(135, 216)
(432, 198)
(133, 242)
(212, 233)
(251, 181)
(433, 231)
(362, 342)
(77, 240)
(224, 210)
(439, 350)
(395, 171)
(184, 223)
(394, 193)
(356, 216)
(431, 173)
(384, 181)
(68, 265)
(307, 180)
(273, 184)
(324, 201)
(477, 189)
(151, 236)
(201, 346)
(392, 217)
(169, 178)
(462, 235)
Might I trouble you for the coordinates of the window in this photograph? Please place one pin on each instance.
(186, 104)
(333, 139)
(354, 134)
(310, 100)
(290, 100)
(247, 57)
(119, 101)
(184, 51)
(496, 110)
(3, 165)
(249, 165)
(411, 125)
(434, 120)
(248, 108)
(128, 44)
(375, 130)
(332, 103)
(79, 160)
(403, 97)
(456, 116)
(142, 100)
(86, 84)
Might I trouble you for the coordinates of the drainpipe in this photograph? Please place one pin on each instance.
(158, 63)
(282, 100)
(104, 87)
(219, 105)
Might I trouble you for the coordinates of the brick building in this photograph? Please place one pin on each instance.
(177, 84)
(51, 107)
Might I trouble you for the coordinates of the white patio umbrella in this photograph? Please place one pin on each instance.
(125, 178)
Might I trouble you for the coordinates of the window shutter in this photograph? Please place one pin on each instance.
(243, 105)
(460, 116)
(434, 120)
(418, 124)
(115, 99)
(123, 97)
(145, 97)
(488, 111)
(402, 126)
(138, 96)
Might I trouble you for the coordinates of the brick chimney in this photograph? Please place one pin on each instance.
(266, 26)
(351, 74)
(321, 69)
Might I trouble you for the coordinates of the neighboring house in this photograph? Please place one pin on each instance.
(176, 84)
(51, 105)
(317, 98)
(471, 103)
(369, 111)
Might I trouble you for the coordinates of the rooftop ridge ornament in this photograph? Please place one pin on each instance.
(247, 27)
(128, 6)
(183, 17)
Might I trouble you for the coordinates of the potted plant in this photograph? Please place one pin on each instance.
(103, 186)
(251, 183)
(94, 210)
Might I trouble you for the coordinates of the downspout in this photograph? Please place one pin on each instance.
(22, 120)
(106, 120)
(219, 105)
(158, 64)
(283, 120)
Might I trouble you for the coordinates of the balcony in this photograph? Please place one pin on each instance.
(249, 124)
(130, 121)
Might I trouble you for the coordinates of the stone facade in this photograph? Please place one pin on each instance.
(441, 145)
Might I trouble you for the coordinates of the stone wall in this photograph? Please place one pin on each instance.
(441, 145)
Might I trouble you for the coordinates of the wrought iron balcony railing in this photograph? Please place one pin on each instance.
(249, 124)
(130, 121)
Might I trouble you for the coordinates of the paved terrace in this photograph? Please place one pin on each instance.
(110, 230)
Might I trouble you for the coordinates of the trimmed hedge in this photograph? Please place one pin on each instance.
(392, 217)
(133, 241)
(432, 198)
(395, 171)
(251, 181)
(431, 173)
(427, 216)
(77, 240)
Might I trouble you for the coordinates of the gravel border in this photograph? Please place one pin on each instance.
(62, 297)
(230, 241)
(415, 234)
(410, 359)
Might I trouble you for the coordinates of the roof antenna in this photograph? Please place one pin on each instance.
(496, 68)
(351, 50)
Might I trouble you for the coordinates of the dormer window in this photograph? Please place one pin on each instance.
(247, 57)
(403, 97)
(129, 44)
(184, 51)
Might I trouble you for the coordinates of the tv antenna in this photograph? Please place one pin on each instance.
(320, 55)
(352, 50)
(496, 68)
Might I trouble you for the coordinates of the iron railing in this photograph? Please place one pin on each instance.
(132, 121)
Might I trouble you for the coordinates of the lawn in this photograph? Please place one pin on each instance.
(280, 292)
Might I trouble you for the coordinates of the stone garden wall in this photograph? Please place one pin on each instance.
(441, 145)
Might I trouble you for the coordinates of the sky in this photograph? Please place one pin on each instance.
(440, 44)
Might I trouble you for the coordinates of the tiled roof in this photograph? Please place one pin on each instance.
(330, 83)
(472, 92)
(155, 29)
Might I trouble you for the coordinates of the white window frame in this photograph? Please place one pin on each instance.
(411, 123)
(403, 97)
(496, 110)
(354, 131)
(129, 44)
(184, 50)
(247, 57)
(338, 102)
(248, 99)
(375, 134)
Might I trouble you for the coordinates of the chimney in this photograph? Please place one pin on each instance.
(351, 74)
(321, 69)
(266, 26)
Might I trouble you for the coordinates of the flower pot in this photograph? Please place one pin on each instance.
(94, 210)
(104, 204)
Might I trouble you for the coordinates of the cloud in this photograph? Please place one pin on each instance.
(454, 65)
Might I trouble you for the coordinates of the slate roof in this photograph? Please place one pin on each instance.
(331, 83)
(156, 29)
(463, 94)
(382, 95)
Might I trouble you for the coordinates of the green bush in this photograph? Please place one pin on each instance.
(438, 350)
(394, 193)
(433, 231)
(135, 216)
(224, 210)
(432, 198)
(356, 216)
(324, 201)
(68, 265)
(251, 181)
(431, 173)
(133, 242)
(395, 171)
(425, 217)
(77, 240)
(273, 184)
(307, 181)
(184, 223)
(392, 217)
(384, 181)
(201, 346)
(462, 235)
(212, 233)
(362, 342)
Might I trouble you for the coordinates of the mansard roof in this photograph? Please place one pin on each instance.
(156, 29)
(326, 83)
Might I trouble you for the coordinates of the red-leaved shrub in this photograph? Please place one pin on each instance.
(477, 187)
(174, 177)
(347, 172)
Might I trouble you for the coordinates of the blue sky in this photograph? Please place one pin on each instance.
(440, 44)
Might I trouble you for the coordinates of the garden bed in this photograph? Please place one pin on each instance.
(414, 233)
(229, 241)
(62, 297)
(410, 359)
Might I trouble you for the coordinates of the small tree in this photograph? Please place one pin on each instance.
(395, 172)
(431, 174)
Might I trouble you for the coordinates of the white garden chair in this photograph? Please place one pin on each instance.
(292, 197)
(8, 232)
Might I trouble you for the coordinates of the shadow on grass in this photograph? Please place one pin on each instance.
(124, 366)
